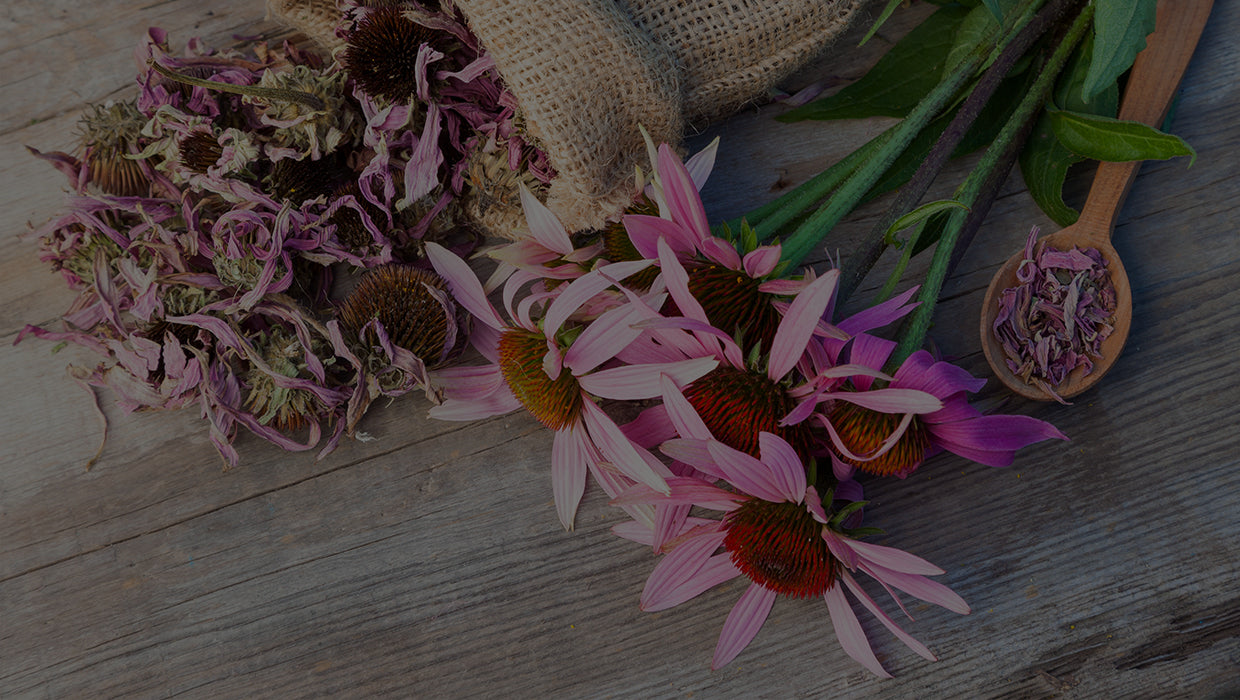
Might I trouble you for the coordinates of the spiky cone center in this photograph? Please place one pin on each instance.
(297, 180)
(414, 317)
(556, 403)
(780, 547)
(381, 52)
(734, 304)
(737, 404)
(350, 229)
(863, 431)
(200, 151)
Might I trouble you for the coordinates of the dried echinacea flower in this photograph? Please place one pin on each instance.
(413, 306)
(1055, 320)
(282, 407)
(110, 134)
(381, 53)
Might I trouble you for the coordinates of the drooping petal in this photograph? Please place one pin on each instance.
(891, 400)
(645, 231)
(463, 283)
(568, 472)
(677, 568)
(920, 371)
(684, 417)
(685, 490)
(603, 338)
(992, 440)
(717, 569)
(743, 624)
(797, 325)
(879, 315)
(919, 587)
(584, 288)
(634, 382)
(848, 631)
(890, 624)
(619, 450)
(650, 427)
(544, 226)
(894, 559)
(694, 453)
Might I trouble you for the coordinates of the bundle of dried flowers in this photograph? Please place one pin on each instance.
(1055, 320)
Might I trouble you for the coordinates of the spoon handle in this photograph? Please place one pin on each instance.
(1152, 84)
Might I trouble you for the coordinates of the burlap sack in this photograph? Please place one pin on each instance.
(586, 73)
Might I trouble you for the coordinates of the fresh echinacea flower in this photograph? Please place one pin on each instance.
(736, 293)
(895, 443)
(777, 532)
(551, 368)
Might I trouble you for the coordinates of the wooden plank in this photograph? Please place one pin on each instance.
(430, 562)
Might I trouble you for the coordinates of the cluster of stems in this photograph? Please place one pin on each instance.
(805, 215)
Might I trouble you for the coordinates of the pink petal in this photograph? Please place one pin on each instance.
(701, 163)
(678, 284)
(746, 473)
(694, 453)
(890, 624)
(743, 624)
(650, 427)
(891, 400)
(676, 569)
(920, 587)
(797, 326)
(645, 231)
(568, 472)
(544, 226)
(633, 382)
(464, 284)
(717, 569)
(682, 414)
(603, 338)
(894, 559)
(685, 490)
(619, 450)
(848, 631)
(720, 251)
(993, 438)
(683, 200)
(785, 465)
(920, 371)
(879, 315)
(761, 262)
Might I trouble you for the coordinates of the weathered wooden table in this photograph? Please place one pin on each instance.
(429, 562)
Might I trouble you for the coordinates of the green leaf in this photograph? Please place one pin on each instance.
(900, 79)
(919, 215)
(891, 7)
(1103, 138)
(1044, 164)
(978, 26)
(1044, 161)
(1120, 28)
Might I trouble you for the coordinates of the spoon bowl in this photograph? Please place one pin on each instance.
(1155, 76)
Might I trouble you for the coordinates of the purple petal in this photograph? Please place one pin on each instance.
(992, 440)
(785, 465)
(620, 451)
(919, 587)
(890, 624)
(748, 474)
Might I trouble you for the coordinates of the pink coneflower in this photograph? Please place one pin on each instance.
(777, 533)
(733, 291)
(550, 367)
(895, 443)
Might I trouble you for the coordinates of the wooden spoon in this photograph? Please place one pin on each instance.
(1155, 76)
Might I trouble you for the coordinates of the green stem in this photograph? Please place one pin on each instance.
(853, 190)
(277, 94)
(918, 323)
(860, 263)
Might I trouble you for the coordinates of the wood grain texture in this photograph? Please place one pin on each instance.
(430, 563)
